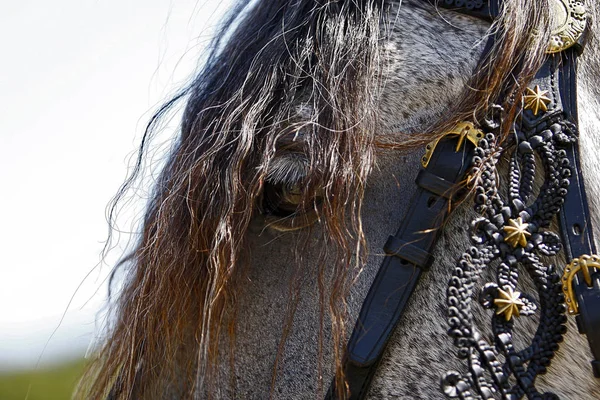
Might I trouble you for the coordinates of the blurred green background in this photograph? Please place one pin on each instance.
(46, 383)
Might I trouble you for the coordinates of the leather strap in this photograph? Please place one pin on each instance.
(435, 184)
(574, 217)
(408, 254)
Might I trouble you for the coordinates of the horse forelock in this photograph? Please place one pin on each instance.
(294, 97)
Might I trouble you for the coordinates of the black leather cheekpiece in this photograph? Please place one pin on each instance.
(436, 184)
(408, 254)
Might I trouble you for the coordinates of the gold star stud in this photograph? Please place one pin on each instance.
(516, 233)
(535, 100)
(508, 303)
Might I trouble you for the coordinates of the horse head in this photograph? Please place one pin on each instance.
(300, 141)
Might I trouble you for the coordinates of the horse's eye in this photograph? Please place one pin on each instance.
(284, 208)
(282, 200)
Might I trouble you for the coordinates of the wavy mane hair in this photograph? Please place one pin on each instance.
(270, 58)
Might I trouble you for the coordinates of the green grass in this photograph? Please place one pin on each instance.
(48, 383)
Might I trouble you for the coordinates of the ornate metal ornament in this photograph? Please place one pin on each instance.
(516, 232)
(465, 131)
(583, 264)
(536, 100)
(508, 303)
(569, 20)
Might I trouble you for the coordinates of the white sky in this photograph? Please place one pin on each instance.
(78, 79)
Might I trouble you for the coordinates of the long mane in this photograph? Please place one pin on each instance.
(303, 72)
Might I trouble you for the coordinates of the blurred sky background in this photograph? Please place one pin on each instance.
(78, 81)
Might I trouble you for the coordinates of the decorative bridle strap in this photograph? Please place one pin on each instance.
(408, 253)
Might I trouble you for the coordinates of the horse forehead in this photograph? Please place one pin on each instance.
(429, 54)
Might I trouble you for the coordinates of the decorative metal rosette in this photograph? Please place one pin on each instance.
(569, 19)
(510, 232)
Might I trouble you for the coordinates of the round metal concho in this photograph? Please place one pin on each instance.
(569, 19)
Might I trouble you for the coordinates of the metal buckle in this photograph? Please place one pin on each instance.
(465, 130)
(583, 264)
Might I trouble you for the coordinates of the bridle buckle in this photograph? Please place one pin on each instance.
(583, 264)
(464, 130)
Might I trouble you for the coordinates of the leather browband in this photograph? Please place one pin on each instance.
(409, 251)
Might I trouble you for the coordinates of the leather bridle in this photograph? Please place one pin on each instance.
(548, 123)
